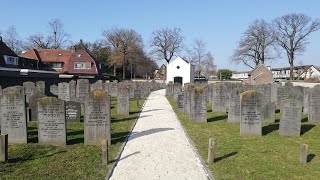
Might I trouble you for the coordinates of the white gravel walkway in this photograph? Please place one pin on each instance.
(158, 147)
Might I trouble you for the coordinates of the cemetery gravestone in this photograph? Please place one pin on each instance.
(314, 105)
(41, 86)
(83, 88)
(33, 104)
(306, 100)
(113, 87)
(18, 89)
(180, 102)
(29, 88)
(3, 148)
(97, 118)
(73, 111)
(268, 112)
(290, 122)
(54, 90)
(198, 102)
(52, 122)
(64, 91)
(72, 86)
(218, 99)
(234, 106)
(13, 117)
(123, 100)
(250, 113)
(187, 98)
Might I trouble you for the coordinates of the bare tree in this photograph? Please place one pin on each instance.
(55, 39)
(11, 38)
(291, 32)
(57, 33)
(198, 53)
(123, 42)
(166, 43)
(255, 47)
(209, 66)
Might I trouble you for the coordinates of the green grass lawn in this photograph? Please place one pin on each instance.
(76, 160)
(270, 156)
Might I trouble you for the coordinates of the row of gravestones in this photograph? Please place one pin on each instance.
(249, 105)
(52, 114)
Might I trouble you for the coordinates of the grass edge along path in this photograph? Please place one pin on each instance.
(269, 156)
(76, 160)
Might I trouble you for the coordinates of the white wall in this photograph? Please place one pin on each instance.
(184, 71)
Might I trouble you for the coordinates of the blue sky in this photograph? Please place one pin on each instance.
(219, 23)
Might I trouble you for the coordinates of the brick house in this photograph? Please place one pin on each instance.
(64, 61)
(260, 75)
(160, 73)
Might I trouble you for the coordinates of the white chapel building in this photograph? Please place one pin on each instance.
(180, 71)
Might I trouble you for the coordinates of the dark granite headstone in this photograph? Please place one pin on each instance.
(97, 118)
(73, 111)
(52, 127)
(13, 117)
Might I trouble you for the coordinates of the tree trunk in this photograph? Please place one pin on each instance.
(123, 67)
(291, 65)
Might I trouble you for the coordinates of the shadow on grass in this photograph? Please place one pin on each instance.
(217, 118)
(209, 110)
(112, 161)
(75, 140)
(277, 121)
(22, 159)
(119, 137)
(306, 127)
(269, 128)
(310, 157)
(277, 111)
(225, 156)
(305, 119)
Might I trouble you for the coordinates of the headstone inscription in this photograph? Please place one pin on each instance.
(250, 113)
(73, 111)
(64, 91)
(198, 103)
(97, 118)
(314, 105)
(290, 122)
(13, 117)
(52, 126)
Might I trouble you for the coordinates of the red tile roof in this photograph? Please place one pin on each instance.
(67, 57)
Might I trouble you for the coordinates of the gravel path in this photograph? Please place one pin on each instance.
(158, 147)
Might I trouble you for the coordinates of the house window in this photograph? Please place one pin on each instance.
(56, 65)
(11, 60)
(82, 65)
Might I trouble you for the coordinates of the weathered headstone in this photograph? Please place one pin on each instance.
(290, 121)
(97, 85)
(18, 89)
(219, 99)
(306, 100)
(250, 113)
(33, 105)
(41, 86)
(198, 103)
(123, 100)
(188, 88)
(52, 127)
(64, 91)
(177, 89)
(83, 88)
(113, 89)
(73, 111)
(97, 118)
(180, 102)
(169, 89)
(29, 89)
(72, 86)
(268, 112)
(13, 117)
(314, 105)
(234, 106)
(4, 148)
(54, 90)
